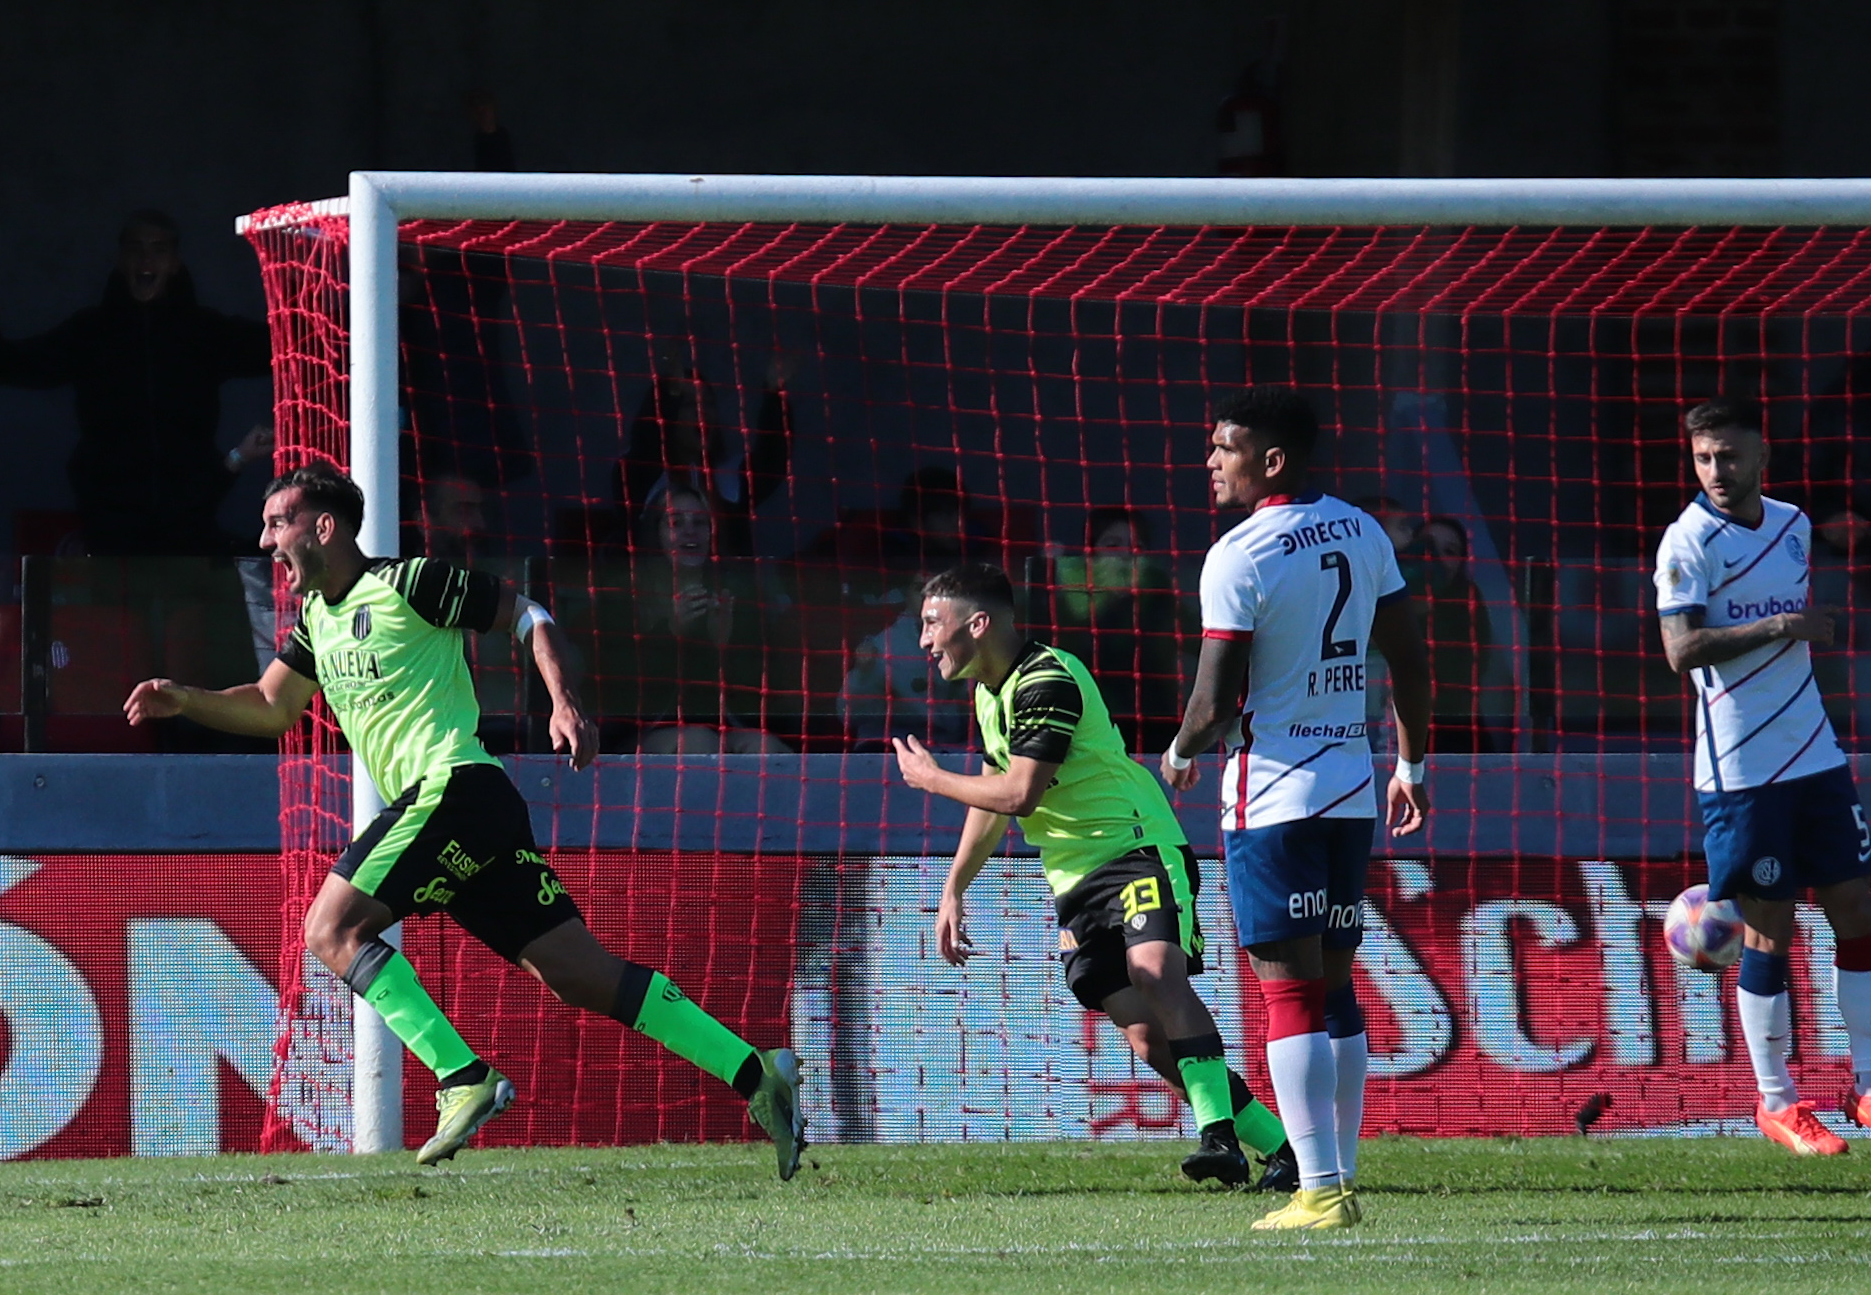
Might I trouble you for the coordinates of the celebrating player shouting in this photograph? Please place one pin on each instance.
(1778, 801)
(383, 638)
(1123, 877)
(1291, 598)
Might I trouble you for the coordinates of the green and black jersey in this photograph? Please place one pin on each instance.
(1102, 804)
(388, 655)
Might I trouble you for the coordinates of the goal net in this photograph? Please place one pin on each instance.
(727, 450)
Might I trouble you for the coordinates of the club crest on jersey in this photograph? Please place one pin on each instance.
(1766, 870)
(360, 624)
(1795, 549)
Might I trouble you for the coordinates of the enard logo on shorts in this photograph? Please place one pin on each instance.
(1766, 870)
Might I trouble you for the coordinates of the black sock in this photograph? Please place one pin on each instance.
(747, 1078)
(472, 1073)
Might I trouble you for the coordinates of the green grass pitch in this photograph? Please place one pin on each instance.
(1511, 1215)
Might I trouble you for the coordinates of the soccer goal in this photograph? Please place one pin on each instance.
(727, 424)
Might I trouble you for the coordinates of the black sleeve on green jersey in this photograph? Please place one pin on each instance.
(297, 653)
(1045, 711)
(448, 597)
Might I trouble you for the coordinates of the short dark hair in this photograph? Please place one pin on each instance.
(1723, 414)
(974, 583)
(323, 487)
(1109, 515)
(1276, 416)
(149, 218)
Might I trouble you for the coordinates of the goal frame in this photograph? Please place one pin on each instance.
(379, 201)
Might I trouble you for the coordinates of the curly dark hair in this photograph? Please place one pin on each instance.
(1274, 416)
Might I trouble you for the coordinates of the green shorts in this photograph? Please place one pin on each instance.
(461, 843)
(1137, 898)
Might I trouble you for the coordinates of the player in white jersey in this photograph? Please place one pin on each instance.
(1778, 802)
(1291, 600)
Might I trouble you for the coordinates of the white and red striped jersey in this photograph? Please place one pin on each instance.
(1302, 577)
(1759, 717)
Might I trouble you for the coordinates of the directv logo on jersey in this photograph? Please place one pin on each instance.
(1337, 528)
(1761, 611)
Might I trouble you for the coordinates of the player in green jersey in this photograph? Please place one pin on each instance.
(1124, 880)
(383, 638)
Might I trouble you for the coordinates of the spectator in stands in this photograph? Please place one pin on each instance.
(1456, 630)
(693, 654)
(1117, 611)
(1400, 526)
(677, 438)
(1841, 579)
(493, 146)
(930, 532)
(893, 689)
(146, 366)
(453, 516)
(1398, 522)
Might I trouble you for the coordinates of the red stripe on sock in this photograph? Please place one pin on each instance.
(1853, 955)
(1294, 1007)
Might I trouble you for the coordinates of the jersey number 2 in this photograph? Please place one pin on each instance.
(1331, 649)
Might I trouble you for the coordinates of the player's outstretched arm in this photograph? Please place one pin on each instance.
(1015, 793)
(1690, 646)
(979, 835)
(1214, 706)
(264, 709)
(1395, 634)
(573, 734)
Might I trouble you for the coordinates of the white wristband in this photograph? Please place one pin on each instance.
(1176, 761)
(1412, 771)
(531, 617)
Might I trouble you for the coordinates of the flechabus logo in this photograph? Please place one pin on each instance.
(1761, 611)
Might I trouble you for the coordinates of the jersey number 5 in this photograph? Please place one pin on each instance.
(1331, 649)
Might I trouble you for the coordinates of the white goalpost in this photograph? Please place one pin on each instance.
(378, 202)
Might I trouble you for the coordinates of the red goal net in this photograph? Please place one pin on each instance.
(727, 456)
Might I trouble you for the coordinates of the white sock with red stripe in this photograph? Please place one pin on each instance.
(1852, 987)
(1305, 1076)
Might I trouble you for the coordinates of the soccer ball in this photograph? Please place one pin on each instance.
(1702, 933)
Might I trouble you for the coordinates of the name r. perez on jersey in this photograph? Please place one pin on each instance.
(1759, 717)
(1304, 578)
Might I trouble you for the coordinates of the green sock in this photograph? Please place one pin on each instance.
(1204, 1073)
(1258, 1128)
(413, 1017)
(668, 1016)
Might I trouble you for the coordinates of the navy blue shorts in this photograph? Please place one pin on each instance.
(1300, 878)
(1773, 842)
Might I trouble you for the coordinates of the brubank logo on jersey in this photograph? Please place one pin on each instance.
(1761, 611)
(1305, 537)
